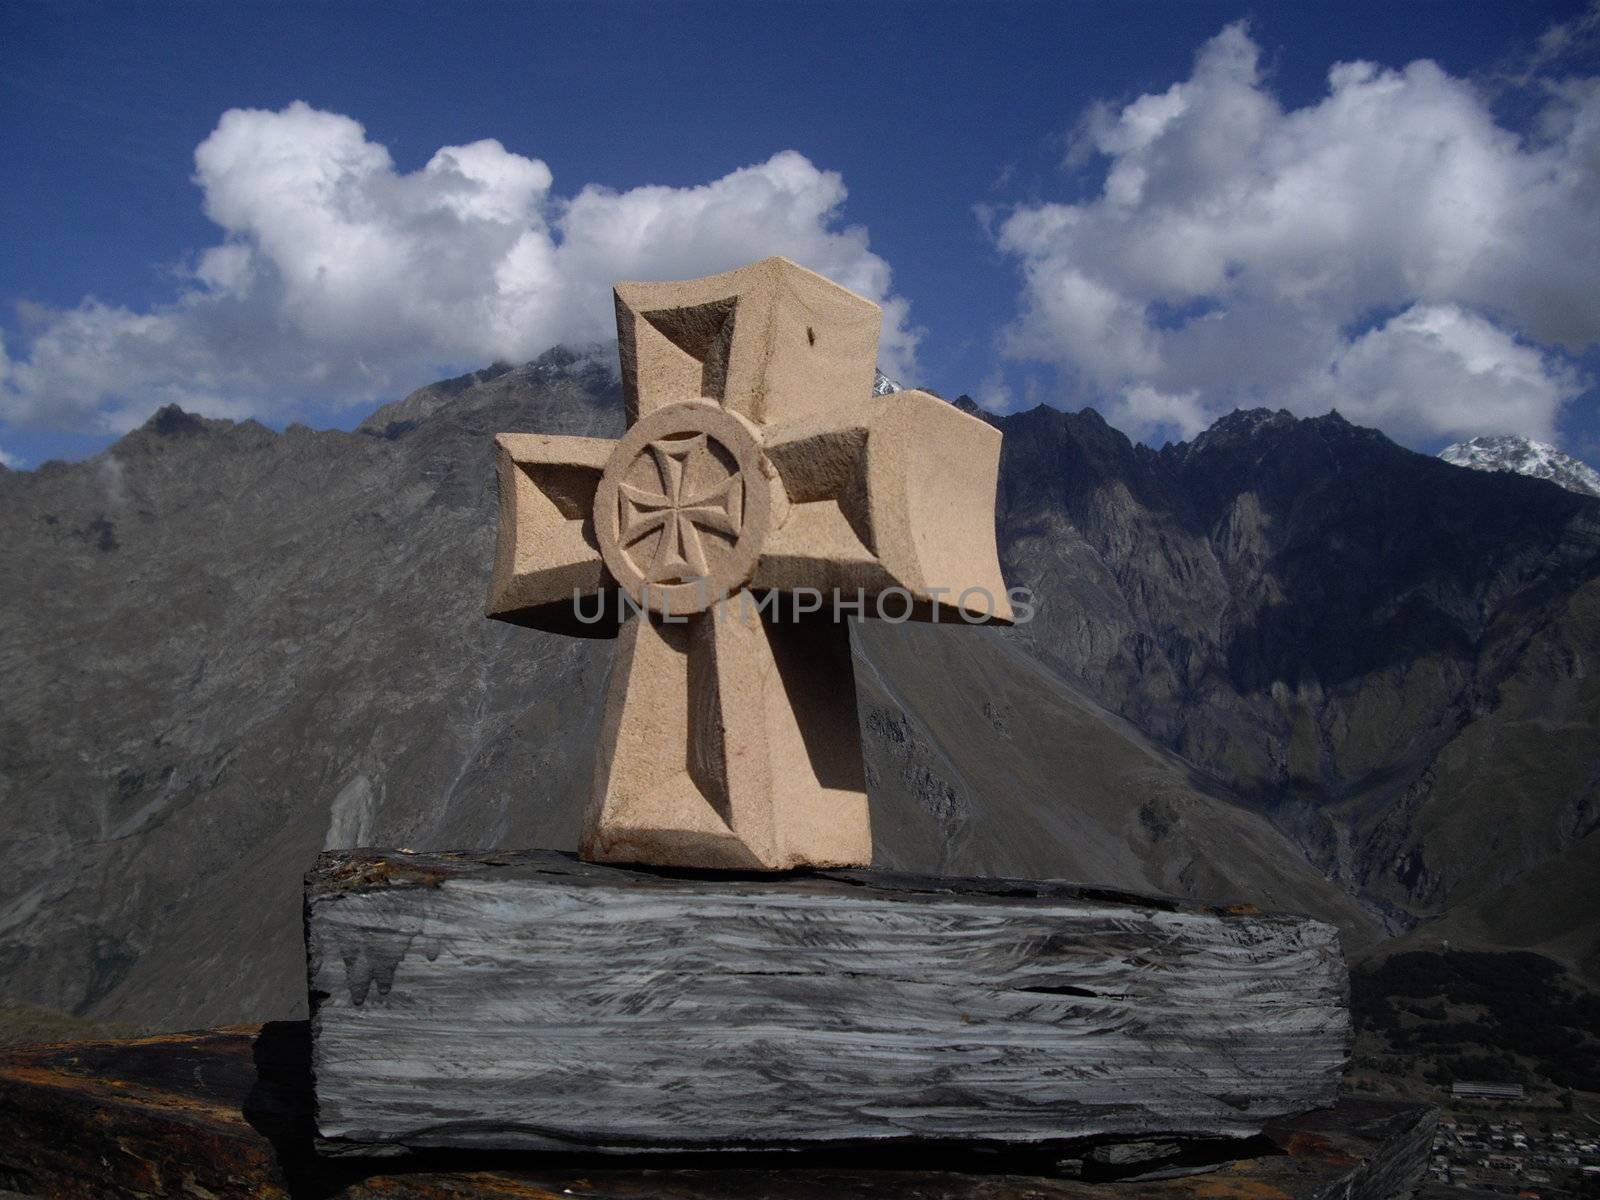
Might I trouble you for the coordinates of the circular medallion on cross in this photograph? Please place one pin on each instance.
(681, 509)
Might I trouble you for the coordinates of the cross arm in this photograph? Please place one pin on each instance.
(770, 342)
(545, 550)
(896, 492)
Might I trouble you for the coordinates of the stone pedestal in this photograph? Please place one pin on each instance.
(228, 1113)
(530, 1001)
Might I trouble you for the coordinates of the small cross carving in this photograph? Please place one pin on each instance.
(678, 511)
(757, 463)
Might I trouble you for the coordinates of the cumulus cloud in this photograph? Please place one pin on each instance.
(1140, 406)
(339, 278)
(6, 459)
(1489, 379)
(1389, 250)
(995, 394)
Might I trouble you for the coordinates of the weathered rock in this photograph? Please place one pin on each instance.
(229, 1113)
(530, 1000)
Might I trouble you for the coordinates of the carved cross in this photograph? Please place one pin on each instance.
(757, 463)
(684, 465)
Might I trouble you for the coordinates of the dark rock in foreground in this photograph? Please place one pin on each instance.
(228, 1113)
(533, 1001)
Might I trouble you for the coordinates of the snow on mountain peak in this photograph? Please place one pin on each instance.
(1525, 457)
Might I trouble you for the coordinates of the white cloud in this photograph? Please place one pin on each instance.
(1140, 406)
(7, 459)
(340, 279)
(1486, 378)
(995, 394)
(1389, 249)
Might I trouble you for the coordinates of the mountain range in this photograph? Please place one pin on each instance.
(1385, 653)
(1288, 663)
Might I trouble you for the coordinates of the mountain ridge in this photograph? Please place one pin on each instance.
(1322, 620)
(230, 647)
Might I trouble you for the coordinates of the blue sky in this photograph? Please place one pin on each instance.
(1162, 210)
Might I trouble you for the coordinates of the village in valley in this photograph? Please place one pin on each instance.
(1503, 1139)
(1512, 1153)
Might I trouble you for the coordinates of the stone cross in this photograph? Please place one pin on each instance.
(760, 493)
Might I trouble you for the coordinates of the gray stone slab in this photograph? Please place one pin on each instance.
(533, 1001)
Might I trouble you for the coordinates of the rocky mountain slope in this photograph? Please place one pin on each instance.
(1389, 655)
(1525, 457)
(225, 649)
(1288, 663)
